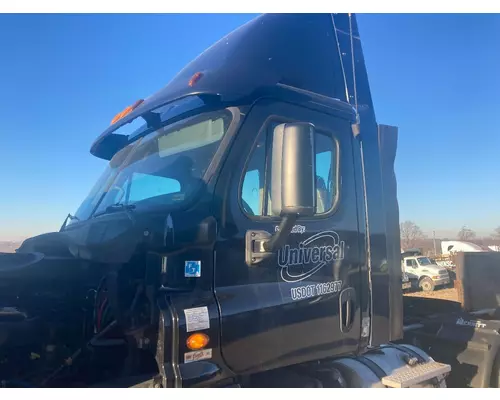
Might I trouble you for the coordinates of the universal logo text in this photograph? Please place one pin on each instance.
(315, 252)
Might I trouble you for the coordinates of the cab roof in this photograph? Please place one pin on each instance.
(301, 51)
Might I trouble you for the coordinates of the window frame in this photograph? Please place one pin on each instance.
(264, 130)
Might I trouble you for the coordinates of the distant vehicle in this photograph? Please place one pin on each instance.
(425, 273)
(446, 262)
(454, 246)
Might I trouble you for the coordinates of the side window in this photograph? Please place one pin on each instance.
(255, 191)
(146, 186)
(408, 263)
(252, 191)
(326, 172)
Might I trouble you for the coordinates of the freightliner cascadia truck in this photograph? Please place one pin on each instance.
(244, 233)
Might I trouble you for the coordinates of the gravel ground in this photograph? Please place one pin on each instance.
(443, 294)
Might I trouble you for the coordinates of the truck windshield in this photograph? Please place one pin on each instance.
(424, 261)
(164, 167)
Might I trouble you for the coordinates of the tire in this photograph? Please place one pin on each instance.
(426, 284)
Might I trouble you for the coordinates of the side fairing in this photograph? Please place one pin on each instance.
(388, 141)
(381, 211)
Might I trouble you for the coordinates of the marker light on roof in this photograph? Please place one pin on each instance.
(195, 78)
(127, 111)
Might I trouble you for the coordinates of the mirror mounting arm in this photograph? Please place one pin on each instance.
(279, 238)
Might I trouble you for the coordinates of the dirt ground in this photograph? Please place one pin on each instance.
(443, 294)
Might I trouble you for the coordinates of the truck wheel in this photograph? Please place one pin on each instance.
(426, 284)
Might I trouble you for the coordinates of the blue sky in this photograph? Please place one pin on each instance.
(63, 77)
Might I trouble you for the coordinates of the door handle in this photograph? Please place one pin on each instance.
(255, 252)
(345, 315)
(347, 307)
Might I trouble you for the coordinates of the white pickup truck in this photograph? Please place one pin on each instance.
(425, 273)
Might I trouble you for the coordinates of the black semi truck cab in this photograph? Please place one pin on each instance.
(244, 232)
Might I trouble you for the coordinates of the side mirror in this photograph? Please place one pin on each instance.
(293, 188)
(293, 180)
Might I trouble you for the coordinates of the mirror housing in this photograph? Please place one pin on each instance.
(293, 180)
(293, 188)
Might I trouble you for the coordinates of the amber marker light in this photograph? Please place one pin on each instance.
(195, 78)
(197, 341)
(127, 111)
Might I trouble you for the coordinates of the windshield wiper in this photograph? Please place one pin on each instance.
(115, 208)
(68, 218)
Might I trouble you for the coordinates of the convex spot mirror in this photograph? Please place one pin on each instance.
(293, 180)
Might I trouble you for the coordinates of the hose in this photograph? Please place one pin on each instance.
(70, 360)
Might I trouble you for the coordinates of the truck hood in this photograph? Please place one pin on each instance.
(433, 269)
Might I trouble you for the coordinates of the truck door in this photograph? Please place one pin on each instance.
(303, 303)
(412, 269)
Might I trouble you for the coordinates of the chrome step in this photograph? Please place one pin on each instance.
(408, 376)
